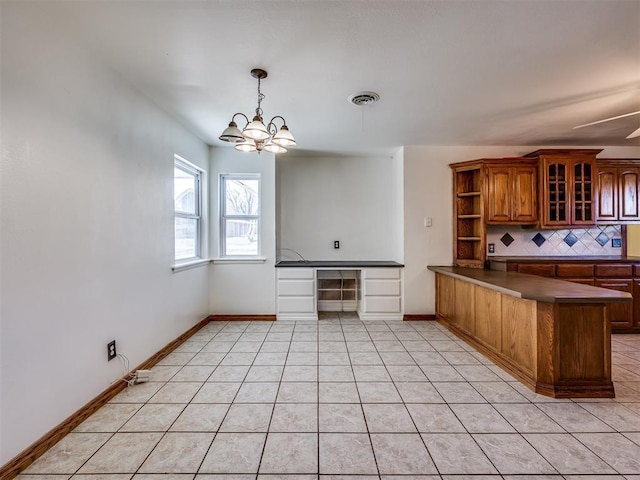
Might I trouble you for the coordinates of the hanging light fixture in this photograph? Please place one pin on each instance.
(255, 136)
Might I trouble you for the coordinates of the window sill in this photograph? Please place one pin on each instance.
(179, 267)
(231, 260)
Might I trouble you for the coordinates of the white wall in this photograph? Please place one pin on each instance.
(397, 229)
(244, 288)
(87, 229)
(428, 193)
(350, 199)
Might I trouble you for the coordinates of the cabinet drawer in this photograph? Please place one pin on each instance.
(620, 284)
(382, 287)
(608, 270)
(620, 314)
(296, 287)
(382, 305)
(574, 270)
(636, 270)
(381, 273)
(295, 273)
(542, 269)
(583, 281)
(296, 305)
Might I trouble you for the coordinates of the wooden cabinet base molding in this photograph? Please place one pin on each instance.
(561, 350)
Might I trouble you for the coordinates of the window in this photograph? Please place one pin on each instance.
(240, 215)
(187, 197)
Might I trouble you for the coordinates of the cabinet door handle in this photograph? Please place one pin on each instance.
(614, 285)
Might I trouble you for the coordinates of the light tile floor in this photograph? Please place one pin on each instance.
(346, 399)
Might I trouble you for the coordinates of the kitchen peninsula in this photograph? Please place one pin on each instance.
(550, 334)
(620, 273)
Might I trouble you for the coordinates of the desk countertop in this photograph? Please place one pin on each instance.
(339, 264)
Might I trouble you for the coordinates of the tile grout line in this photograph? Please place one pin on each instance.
(273, 407)
(215, 434)
(420, 436)
(396, 333)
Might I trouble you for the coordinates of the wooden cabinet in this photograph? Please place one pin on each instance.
(624, 277)
(618, 191)
(620, 314)
(542, 270)
(629, 188)
(607, 194)
(574, 270)
(500, 185)
(468, 226)
(512, 193)
(575, 273)
(490, 191)
(557, 349)
(636, 302)
(613, 270)
(568, 183)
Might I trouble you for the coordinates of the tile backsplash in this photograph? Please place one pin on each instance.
(518, 241)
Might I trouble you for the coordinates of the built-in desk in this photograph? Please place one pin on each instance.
(552, 335)
(378, 287)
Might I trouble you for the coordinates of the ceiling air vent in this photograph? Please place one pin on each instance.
(364, 98)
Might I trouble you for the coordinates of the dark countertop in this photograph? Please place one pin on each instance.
(568, 259)
(339, 264)
(533, 287)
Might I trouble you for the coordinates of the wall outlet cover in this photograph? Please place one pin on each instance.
(111, 350)
(492, 248)
(336, 244)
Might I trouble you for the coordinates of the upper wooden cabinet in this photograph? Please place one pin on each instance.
(568, 182)
(469, 235)
(618, 191)
(498, 191)
(512, 192)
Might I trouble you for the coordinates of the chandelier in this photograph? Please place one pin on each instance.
(255, 136)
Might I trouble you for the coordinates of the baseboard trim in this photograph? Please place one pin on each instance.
(410, 317)
(30, 454)
(242, 318)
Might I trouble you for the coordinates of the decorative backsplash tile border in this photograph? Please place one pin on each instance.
(518, 241)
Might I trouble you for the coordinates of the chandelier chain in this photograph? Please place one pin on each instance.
(260, 98)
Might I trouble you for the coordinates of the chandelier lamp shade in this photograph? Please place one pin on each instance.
(256, 136)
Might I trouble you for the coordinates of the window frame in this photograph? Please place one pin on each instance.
(224, 177)
(191, 169)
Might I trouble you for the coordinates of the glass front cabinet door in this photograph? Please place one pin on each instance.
(567, 193)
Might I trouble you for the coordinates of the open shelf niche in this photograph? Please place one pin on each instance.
(338, 290)
(469, 235)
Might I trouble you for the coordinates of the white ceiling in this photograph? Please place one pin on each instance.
(456, 72)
